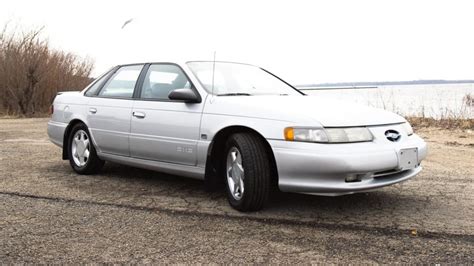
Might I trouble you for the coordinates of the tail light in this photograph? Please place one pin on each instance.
(51, 109)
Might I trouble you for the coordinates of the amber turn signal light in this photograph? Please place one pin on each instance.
(289, 133)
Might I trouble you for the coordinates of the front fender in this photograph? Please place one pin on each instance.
(212, 124)
(270, 129)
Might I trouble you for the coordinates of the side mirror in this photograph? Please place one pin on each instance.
(186, 95)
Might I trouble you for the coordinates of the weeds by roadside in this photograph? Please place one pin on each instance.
(447, 123)
(4, 115)
(32, 72)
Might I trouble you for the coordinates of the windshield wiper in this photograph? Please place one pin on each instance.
(235, 94)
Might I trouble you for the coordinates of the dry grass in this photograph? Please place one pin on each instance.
(4, 115)
(31, 72)
(446, 123)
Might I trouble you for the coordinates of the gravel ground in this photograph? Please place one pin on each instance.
(49, 214)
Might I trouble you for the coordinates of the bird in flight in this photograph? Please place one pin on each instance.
(126, 23)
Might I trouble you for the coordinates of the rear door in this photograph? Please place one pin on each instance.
(162, 129)
(110, 110)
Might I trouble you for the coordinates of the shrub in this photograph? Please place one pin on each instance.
(31, 73)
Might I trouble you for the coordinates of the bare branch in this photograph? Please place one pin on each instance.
(31, 73)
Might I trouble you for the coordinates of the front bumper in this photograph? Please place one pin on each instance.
(323, 169)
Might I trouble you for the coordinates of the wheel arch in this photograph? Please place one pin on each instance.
(217, 148)
(67, 131)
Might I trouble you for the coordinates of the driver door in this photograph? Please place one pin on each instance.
(162, 129)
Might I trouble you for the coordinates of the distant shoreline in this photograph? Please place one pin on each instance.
(374, 85)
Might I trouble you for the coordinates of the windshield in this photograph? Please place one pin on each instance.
(239, 79)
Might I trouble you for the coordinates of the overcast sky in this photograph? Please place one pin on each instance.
(301, 41)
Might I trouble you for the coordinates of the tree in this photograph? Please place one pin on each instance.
(31, 73)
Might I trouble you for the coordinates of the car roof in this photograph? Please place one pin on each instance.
(181, 62)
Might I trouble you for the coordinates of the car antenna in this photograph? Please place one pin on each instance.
(213, 70)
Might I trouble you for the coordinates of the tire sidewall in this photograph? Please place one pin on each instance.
(80, 169)
(229, 145)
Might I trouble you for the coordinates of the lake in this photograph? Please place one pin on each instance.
(429, 100)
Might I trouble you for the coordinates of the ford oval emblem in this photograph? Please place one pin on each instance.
(392, 135)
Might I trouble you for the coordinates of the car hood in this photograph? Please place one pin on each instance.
(301, 110)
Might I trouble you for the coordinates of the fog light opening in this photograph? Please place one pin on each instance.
(353, 178)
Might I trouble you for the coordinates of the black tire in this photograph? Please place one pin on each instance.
(93, 164)
(257, 172)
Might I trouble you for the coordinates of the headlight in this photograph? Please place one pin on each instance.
(328, 135)
(408, 128)
(305, 134)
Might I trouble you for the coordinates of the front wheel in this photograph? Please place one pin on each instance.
(247, 172)
(82, 154)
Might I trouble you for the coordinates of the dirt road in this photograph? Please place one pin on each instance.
(50, 214)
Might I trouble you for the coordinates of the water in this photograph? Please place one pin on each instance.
(433, 100)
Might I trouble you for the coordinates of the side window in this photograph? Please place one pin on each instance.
(161, 79)
(92, 90)
(122, 82)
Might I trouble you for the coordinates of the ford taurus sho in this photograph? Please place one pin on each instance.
(233, 124)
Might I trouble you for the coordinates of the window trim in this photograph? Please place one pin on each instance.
(115, 69)
(103, 79)
(230, 62)
(138, 91)
(293, 87)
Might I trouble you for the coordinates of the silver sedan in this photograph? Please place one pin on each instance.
(236, 124)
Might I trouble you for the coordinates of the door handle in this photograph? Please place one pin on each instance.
(138, 114)
(92, 110)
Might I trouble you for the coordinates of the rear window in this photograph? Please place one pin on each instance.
(96, 84)
(122, 82)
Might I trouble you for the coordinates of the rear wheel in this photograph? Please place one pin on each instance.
(247, 172)
(82, 154)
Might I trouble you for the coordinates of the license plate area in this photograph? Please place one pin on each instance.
(407, 158)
